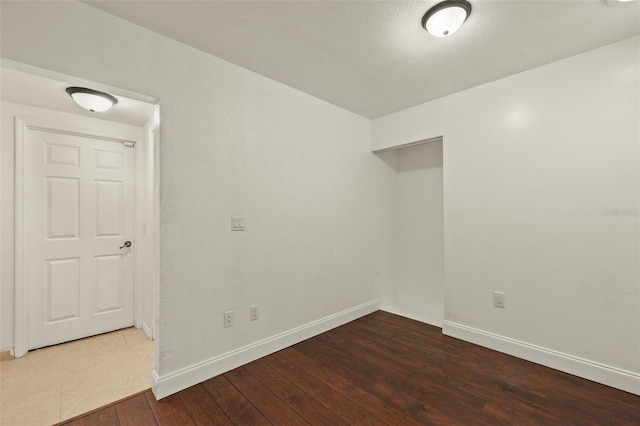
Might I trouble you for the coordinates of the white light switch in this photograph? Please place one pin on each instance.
(237, 223)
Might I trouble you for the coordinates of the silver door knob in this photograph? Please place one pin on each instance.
(126, 244)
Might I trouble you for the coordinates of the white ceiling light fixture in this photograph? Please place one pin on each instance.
(91, 100)
(619, 2)
(446, 18)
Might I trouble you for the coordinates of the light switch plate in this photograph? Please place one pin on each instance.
(238, 223)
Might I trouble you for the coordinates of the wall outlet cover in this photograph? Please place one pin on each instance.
(228, 319)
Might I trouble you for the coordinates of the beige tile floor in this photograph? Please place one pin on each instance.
(56, 383)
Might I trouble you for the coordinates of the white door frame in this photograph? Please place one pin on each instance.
(21, 271)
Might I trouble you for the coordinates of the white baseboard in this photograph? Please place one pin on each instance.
(147, 330)
(621, 379)
(197, 373)
(412, 314)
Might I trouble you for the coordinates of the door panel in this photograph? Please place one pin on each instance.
(110, 208)
(79, 208)
(109, 283)
(108, 160)
(62, 289)
(63, 207)
(63, 155)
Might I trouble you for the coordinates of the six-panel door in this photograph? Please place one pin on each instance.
(79, 212)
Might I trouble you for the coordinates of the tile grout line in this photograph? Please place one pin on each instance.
(126, 342)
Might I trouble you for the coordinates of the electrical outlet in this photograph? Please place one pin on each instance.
(253, 313)
(238, 223)
(228, 319)
(499, 299)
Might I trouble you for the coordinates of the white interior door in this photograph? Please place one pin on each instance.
(79, 212)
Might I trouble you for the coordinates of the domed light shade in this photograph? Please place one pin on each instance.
(91, 100)
(446, 18)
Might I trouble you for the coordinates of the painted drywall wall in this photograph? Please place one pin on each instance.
(317, 201)
(406, 127)
(145, 211)
(417, 286)
(541, 177)
(8, 112)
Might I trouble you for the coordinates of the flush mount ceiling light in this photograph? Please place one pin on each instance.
(91, 100)
(618, 2)
(446, 18)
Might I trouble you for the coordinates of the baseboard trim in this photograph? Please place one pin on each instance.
(147, 330)
(611, 376)
(197, 373)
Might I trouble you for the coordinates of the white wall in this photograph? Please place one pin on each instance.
(317, 201)
(415, 124)
(533, 163)
(8, 111)
(417, 287)
(145, 211)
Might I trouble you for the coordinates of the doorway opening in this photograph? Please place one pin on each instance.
(418, 232)
(79, 226)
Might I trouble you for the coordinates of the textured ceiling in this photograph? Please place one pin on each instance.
(373, 57)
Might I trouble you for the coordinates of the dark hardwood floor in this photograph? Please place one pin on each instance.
(382, 369)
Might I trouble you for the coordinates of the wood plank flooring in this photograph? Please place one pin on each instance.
(382, 370)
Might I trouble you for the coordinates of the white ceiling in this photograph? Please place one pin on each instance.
(43, 92)
(373, 57)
